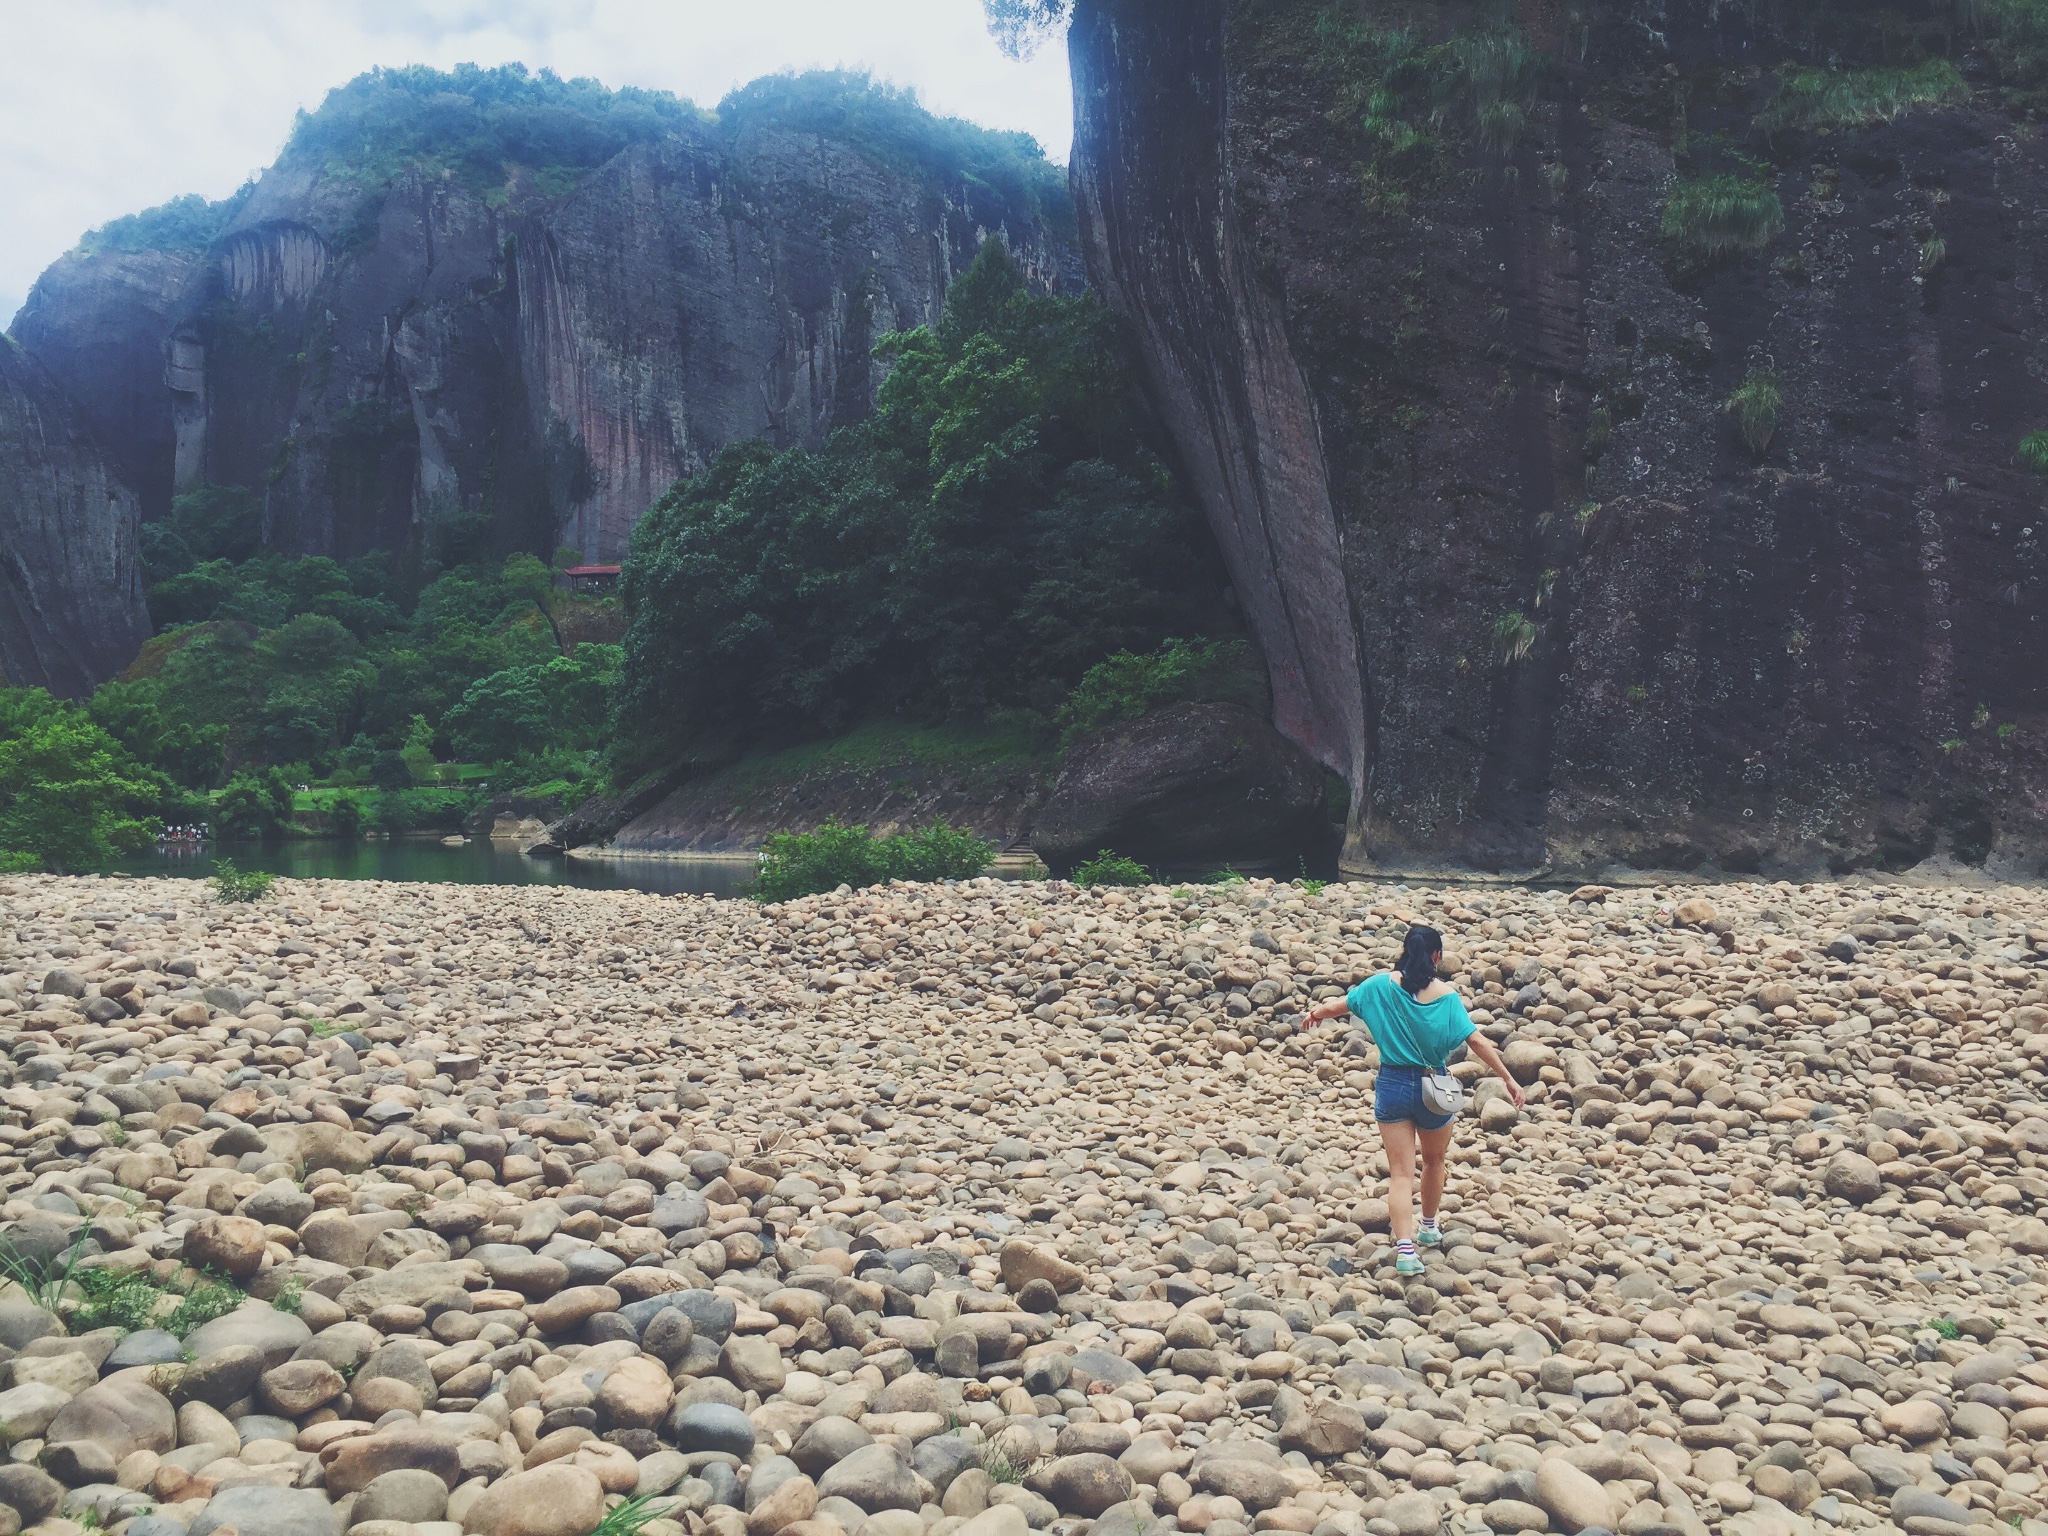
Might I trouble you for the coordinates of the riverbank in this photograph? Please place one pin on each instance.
(841, 1201)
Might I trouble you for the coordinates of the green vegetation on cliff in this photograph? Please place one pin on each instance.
(994, 530)
(188, 223)
(477, 125)
(507, 132)
(1820, 99)
(269, 671)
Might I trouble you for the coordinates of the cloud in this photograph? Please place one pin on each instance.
(116, 105)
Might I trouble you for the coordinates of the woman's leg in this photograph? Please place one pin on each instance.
(1434, 1145)
(1398, 1136)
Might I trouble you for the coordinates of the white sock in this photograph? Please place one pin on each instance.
(1405, 1245)
(1429, 1223)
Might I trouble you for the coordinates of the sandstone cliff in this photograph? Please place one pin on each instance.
(414, 336)
(1577, 531)
(71, 610)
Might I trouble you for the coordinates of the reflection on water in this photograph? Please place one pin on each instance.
(477, 862)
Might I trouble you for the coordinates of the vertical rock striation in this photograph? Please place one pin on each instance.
(71, 610)
(401, 352)
(1470, 398)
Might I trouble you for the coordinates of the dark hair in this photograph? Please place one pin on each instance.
(1417, 964)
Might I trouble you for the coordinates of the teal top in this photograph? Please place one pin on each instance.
(1408, 1033)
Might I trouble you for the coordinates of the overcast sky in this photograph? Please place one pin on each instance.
(110, 106)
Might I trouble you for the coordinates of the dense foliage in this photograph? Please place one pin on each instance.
(801, 863)
(188, 223)
(995, 529)
(475, 124)
(1109, 867)
(505, 130)
(71, 796)
(1126, 685)
(270, 672)
(1004, 174)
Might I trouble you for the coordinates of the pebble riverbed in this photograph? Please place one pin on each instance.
(978, 1209)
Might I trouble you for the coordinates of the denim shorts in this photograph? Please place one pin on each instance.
(1398, 1096)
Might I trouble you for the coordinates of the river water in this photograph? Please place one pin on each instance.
(477, 862)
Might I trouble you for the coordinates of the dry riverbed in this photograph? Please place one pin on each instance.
(989, 1208)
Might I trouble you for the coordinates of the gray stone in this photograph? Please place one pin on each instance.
(31, 1492)
(25, 1412)
(939, 1459)
(828, 1441)
(1413, 1514)
(259, 1511)
(1085, 1485)
(713, 1427)
(1910, 1501)
(593, 1266)
(710, 1314)
(145, 1346)
(79, 1463)
(279, 1203)
(1093, 1365)
(220, 1376)
(21, 1323)
(273, 1334)
(666, 1335)
(873, 1477)
(124, 1413)
(1887, 1468)
(409, 1494)
(264, 1426)
(400, 1360)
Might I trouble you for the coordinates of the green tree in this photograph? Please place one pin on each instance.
(255, 803)
(418, 751)
(134, 714)
(71, 797)
(566, 702)
(997, 526)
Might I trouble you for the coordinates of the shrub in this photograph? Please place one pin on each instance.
(996, 527)
(345, 816)
(804, 863)
(1817, 100)
(1719, 216)
(422, 810)
(256, 803)
(234, 885)
(70, 797)
(1111, 868)
(1514, 635)
(1754, 409)
(2032, 454)
(1127, 684)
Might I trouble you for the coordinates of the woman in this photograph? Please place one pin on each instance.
(1416, 1020)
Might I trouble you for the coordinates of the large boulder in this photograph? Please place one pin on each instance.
(1192, 783)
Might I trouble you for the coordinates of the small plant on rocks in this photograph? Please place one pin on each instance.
(234, 886)
(2032, 453)
(1111, 868)
(1754, 409)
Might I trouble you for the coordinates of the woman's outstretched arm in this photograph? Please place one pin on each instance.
(1489, 1057)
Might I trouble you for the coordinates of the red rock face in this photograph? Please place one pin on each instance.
(1501, 396)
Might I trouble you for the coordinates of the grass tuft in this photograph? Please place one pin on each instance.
(629, 1517)
(1821, 100)
(2032, 453)
(1717, 216)
(1514, 635)
(1754, 408)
